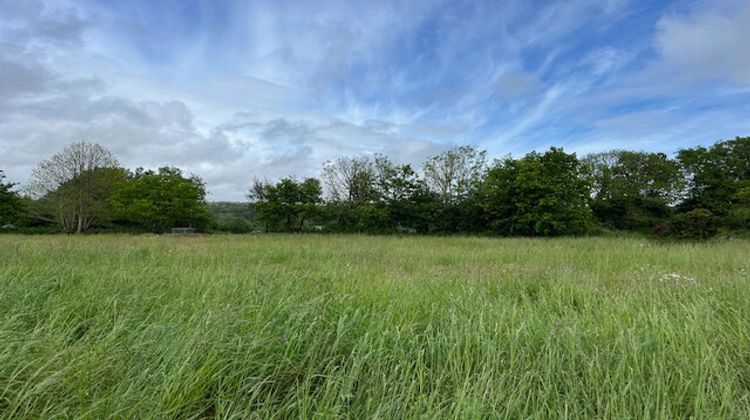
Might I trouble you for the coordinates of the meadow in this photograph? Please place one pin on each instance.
(285, 326)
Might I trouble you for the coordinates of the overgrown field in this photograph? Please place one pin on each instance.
(388, 327)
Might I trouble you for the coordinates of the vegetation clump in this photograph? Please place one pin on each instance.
(695, 194)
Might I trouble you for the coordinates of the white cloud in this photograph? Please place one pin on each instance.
(713, 43)
(237, 90)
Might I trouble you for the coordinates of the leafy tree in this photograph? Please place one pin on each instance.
(455, 173)
(74, 184)
(718, 176)
(633, 190)
(540, 194)
(160, 200)
(11, 207)
(355, 201)
(408, 203)
(739, 216)
(394, 182)
(287, 205)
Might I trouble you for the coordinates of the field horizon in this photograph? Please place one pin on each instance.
(267, 326)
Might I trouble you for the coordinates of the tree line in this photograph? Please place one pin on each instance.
(83, 187)
(694, 194)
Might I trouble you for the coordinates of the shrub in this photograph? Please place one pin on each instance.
(695, 224)
(660, 229)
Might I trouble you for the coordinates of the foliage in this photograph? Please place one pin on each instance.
(11, 208)
(350, 180)
(455, 174)
(160, 200)
(540, 194)
(739, 215)
(694, 224)
(83, 202)
(717, 175)
(287, 205)
(633, 190)
(74, 185)
(551, 193)
(232, 217)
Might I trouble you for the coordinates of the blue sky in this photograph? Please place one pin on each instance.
(233, 90)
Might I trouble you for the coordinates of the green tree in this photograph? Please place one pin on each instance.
(719, 177)
(394, 182)
(539, 194)
(163, 199)
(455, 173)
(11, 207)
(287, 205)
(633, 190)
(408, 204)
(73, 185)
(739, 217)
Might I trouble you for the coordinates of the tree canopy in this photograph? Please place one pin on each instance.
(287, 205)
(694, 194)
(11, 208)
(540, 194)
(73, 185)
(162, 199)
(633, 190)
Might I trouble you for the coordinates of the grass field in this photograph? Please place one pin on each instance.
(356, 326)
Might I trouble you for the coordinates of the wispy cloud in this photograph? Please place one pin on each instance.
(237, 90)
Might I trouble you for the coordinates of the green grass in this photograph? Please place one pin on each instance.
(362, 327)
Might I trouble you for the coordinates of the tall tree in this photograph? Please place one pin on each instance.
(394, 182)
(409, 204)
(73, 185)
(353, 196)
(163, 199)
(634, 190)
(539, 194)
(455, 173)
(11, 208)
(287, 205)
(350, 180)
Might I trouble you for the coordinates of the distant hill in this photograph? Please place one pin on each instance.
(234, 217)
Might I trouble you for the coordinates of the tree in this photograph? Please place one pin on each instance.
(287, 205)
(160, 200)
(354, 201)
(407, 204)
(455, 173)
(72, 185)
(633, 190)
(540, 194)
(718, 177)
(350, 180)
(11, 207)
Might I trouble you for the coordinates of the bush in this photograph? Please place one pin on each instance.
(660, 229)
(232, 224)
(695, 224)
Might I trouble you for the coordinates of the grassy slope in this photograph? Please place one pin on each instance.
(372, 326)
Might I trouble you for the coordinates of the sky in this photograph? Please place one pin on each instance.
(237, 90)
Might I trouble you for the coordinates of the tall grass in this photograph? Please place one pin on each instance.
(364, 327)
